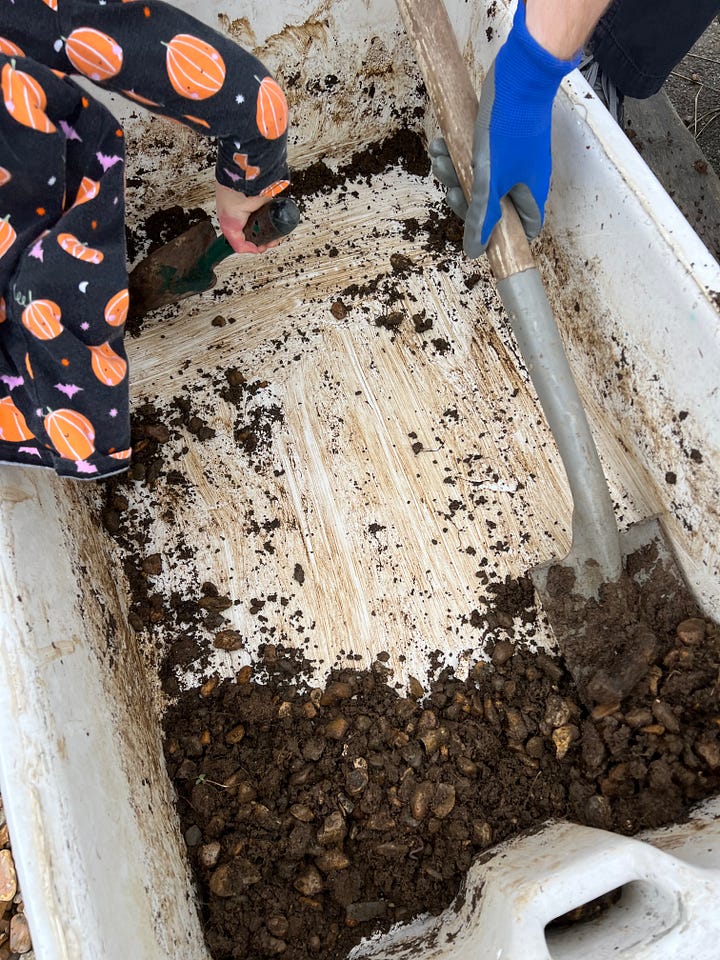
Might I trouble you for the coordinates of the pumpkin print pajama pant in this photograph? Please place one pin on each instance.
(64, 400)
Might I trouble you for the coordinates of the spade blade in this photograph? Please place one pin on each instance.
(154, 281)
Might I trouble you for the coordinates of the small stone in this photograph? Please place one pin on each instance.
(337, 728)
(332, 860)
(244, 790)
(653, 730)
(392, 850)
(334, 692)
(502, 652)
(432, 740)
(356, 781)
(278, 926)
(333, 830)
(244, 675)
(218, 321)
(209, 854)
(482, 833)
(466, 766)
(302, 812)
(709, 750)
(230, 878)
(415, 689)
(420, 800)
(235, 734)
(272, 946)
(517, 728)
(313, 749)
(8, 876)
(638, 717)
(605, 710)
(309, 882)
(381, 821)
(665, 715)
(692, 631)
(20, 940)
(207, 688)
(444, 800)
(563, 738)
(228, 640)
(557, 711)
(193, 836)
(339, 310)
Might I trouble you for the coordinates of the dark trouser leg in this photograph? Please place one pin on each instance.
(637, 43)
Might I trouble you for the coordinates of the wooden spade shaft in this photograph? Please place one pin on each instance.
(455, 104)
(595, 553)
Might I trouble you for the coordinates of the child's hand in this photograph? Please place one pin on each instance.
(233, 210)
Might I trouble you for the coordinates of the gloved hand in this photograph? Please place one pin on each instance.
(511, 147)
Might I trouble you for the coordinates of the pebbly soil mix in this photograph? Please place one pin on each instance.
(314, 817)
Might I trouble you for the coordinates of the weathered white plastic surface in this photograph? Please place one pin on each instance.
(666, 905)
(87, 798)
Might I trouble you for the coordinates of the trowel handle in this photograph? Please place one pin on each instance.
(272, 221)
(276, 219)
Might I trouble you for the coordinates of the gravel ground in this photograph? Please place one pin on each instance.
(15, 939)
(694, 89)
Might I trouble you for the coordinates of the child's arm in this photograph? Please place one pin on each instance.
(176, 66)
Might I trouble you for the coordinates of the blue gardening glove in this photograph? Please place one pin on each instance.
(511, 147)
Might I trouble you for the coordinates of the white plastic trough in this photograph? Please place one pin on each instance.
(88, 801)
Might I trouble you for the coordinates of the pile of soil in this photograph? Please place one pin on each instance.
(316, 817)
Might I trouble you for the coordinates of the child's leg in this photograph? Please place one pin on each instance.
(64, 376)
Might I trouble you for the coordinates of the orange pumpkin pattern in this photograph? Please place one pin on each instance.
(275, 188)
(70, 244)
(272, 109)
(42, 319)
(107, 366)
(3, 311)
(7, 236)
(93, 53)
(25, 99)
(250, 170)
(53, 4)
(10, 48)
(5, 176)
(13, 427)
(195, 68)
(87, 190)
(71, 433)
(122, 454)
(136, 96)
(116, 309)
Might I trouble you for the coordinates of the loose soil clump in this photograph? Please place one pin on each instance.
(316, 817)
